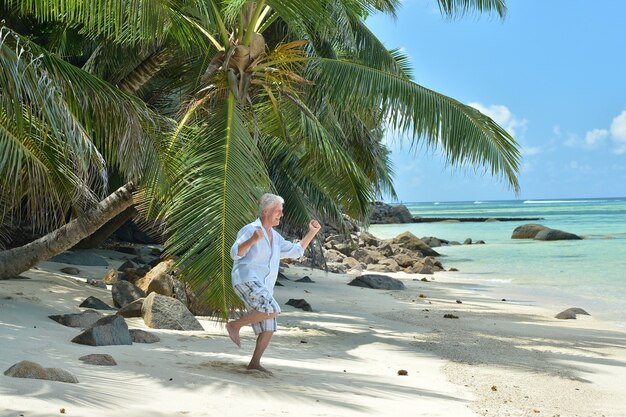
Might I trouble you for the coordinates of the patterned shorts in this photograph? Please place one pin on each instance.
(258, 297)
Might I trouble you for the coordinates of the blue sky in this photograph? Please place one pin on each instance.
(553, 73)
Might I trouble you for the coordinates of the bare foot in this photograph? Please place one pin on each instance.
(233, 333)
(258, 368)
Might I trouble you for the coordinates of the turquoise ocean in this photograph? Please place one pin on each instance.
(588, 273)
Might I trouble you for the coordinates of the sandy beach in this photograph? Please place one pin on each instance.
(499, 358)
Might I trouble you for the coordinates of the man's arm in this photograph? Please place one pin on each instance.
(314, 227)
(245, 246)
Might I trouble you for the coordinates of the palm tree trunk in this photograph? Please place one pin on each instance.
(17, 260)
(97, 238)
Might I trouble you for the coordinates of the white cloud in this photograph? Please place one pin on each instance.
(530, 150)
(595, 136)
(502, 116)
(618, 133)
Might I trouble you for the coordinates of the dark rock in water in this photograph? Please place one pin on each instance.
(131, 309)
(527, 231)
(70, 270)
(278, 284)
(109, 330)
(83, 320)
(553, 234)
(79, 257)
(467, 241)
(570, 313)
(377, 282)
(98, 359)
(480, 242)
(127, 249)
(450, 316)
(459, 302)
(282, 276)
(300, 303)
(161, 312)
(32, 370)
(124, 293)
(141, 336)
(305, 279)
(95, 303)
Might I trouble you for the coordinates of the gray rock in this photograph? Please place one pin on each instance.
(111, 277)
(161, 312)
(79, 257)
(305, 279)
(179, 292)
(382, 213)
(570, 313)
(409, 241)
(527, 231)
(467, 241)
(141, 336)
(161, 284)
(98, 359)
(70, 270)
(553, 234)
(83, 320)
(95, 303)
(126, 265)
(124, 293)
(109, 330)
(300, 303)
(131, 309)
(32, 370)
(378, 282)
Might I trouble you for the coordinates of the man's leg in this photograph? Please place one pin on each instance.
(253, 316)
(261, 344)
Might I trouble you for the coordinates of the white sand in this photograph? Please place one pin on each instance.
(340, 360)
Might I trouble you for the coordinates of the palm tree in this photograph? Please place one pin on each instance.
(273, 94)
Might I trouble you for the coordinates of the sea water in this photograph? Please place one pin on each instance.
(589, 272)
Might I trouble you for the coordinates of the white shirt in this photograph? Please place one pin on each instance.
(262, 261)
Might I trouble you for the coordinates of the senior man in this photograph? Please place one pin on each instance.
(256, 254)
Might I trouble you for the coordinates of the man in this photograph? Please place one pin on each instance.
(257, 252)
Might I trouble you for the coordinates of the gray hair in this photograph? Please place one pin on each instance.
(268, 200)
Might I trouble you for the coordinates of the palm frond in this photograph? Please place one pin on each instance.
(220, 178)
(465, 135)
(460, 8)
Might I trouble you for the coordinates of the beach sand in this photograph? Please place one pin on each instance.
(498, 358)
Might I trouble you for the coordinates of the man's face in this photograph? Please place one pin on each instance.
(274, 214)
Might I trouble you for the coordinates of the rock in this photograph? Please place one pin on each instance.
(570, 313)
(79, 257)
(391, 264)
(83, 320)
(409, 241)
(126, 265)
(135, 274)
(459, 302)
(161, 312)
(126, 249)
(467, 241)
(385, 249)
(124, 293)
(378, 282)
(480, 242)
(353, 263)
(162, 274)
(553, 234)
(336, 267)
(179, 292)
(111, 278)
(453, 270)
(70, 270)
(305, 279)
(434, 242)
(141, 336)
(332, 255)
(385, 214)
(527, 231)
(368, 239)
(131, 309)
(450, 316)
(282, 276)
(404, 260)
(98, 359)
(96, 283)
(32, 370)
(109, 330)
(300, 303)
(95, 303)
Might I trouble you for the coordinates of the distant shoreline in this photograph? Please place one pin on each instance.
(473, 219)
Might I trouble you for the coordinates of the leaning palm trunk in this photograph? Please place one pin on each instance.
(17, 260)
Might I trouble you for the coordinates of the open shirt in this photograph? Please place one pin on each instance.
(261, 262)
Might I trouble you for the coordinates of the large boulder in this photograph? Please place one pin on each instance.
(553, 234)
(32, 370)
(527, 231)
(385, 214)
(377, 282)
(408, 240)
(95, 303)
(124, 293)
(109, 330)
(131, 309)
(161, 312)
(162, 274)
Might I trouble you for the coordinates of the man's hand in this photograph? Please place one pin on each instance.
(258, 235)
(314, 226)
